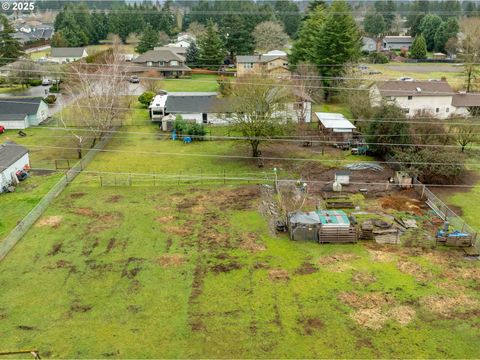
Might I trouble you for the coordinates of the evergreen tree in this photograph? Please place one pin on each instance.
(288, 13)
(168, 19)
(238, 38)
(308, 34)
(428, 27)
(374, 24)
(447, 30)
(211, 46)
(387, 9)
(192, 54)
(10, 48)
(338, 44)
(419, 48)
(99, 23)
(58, 40)
(417, 12)
(148, 40)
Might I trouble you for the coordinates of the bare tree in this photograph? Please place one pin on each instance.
(470, 46)
(465, 135)
(269, 35)
(23, 72)
(355, 94)
(259, 109)
(196, 29)
(99, 94)
(150, 81)
(307, 89)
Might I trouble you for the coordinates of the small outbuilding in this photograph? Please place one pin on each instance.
(342, 177)
(13, 158)
(335, 126)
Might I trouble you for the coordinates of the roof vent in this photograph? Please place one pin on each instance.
(419, 90)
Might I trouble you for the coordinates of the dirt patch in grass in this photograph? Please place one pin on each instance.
(311, 325)
(336, 258)
(451, 307)
(370, 318)
(442, 257)
(53, 221)
(363, 278)
(459, 273)
(415, 270)
(306, 268)
(366, 301)
(85, 212)
(261, 265)
(77, 195)
(226, 267)
(249, 243)
(278, 275)
(381, 256)
(180, 230)
(169, 260)
(403, 314)
(236, 199)
(134, 309)
(132, 267)
(165, 219)
(80, 308)
(56, 248)
(114, 199)
(402, 203)
(105, 222)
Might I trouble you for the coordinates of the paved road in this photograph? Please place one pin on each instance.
(31, 91)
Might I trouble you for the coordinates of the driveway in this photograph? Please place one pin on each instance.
(34, 91)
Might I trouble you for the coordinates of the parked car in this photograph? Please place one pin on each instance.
(46, 82)
(134, 79)
(2, 129)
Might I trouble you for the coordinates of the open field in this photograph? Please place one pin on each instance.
(198, 82)
(421, 71)
(194, 271)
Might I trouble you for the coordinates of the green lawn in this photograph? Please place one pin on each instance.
(10, 89)
(39, 54)
(197, 83)
(193, 271)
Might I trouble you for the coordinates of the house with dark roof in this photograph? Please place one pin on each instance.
(466, 104)
(164, 60)
(273, 62)
(209, 108)
(67, 54)
(22, 112)
(414, 97)
(13, 158)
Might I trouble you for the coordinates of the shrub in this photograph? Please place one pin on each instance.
(146, 98)
(34, 82)
(50, 99)
(377, 58)
(55, 89)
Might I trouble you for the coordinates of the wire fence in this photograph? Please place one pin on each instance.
(26, 223)
(444, 212)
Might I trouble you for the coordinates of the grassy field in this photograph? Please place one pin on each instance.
(198, 82)
(193, 271)
(10, 89)
(39, 54)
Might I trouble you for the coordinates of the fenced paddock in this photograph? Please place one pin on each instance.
(26, 223)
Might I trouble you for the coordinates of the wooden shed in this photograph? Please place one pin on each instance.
(335, 126)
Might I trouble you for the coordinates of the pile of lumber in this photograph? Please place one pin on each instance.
(366, 230)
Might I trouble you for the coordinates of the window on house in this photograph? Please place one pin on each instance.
(406, 111)
(410, 97)
(248, 65)
(437, 110)
(174, 63)
(447, 110)
(161, 63)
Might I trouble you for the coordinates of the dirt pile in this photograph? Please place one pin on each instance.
(278, 275)
(402, 203)
(451, 307)
(169, 260)
(53, 221)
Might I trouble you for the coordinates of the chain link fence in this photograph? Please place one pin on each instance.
(26, 223)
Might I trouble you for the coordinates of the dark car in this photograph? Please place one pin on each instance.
(134, 79)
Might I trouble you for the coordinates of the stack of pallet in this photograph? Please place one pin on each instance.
(366, 230)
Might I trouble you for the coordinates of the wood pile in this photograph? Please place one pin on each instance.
(366, 230)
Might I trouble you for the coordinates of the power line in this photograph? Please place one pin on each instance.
(223, 156)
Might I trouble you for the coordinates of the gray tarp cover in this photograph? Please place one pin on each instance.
(304, 218)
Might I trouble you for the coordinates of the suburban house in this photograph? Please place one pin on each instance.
(368, 44)
(434, 97)
(13, 158)
(22, 112)
(335, 126)
(182, 44)
(165, 61)
(466, 104)
(208, 108)
(65, 55)
(273, 62)
(397, 42)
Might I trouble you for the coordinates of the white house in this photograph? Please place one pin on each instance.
(368, 44)
(181, 44)
(397, 42)
(464, 103)
(22, 112)
(13, 158)
(414, 97)
(208, 108)
(65, 55)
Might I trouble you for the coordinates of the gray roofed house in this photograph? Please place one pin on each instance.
(184, 103)
(165, 61)
(397, 42)
(414, 88)
(274, 62)
(182, 51)
(22, 112)
(466, 100)
(13, 157)
(67, 54)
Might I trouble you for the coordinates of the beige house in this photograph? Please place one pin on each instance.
(273, 62)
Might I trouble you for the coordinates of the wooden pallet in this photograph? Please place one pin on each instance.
(337, 235)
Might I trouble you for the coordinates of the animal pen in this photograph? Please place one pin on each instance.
(324, 226)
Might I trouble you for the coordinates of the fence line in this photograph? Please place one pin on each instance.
(26, 223)
(443, 211)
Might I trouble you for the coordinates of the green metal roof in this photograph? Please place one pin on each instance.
(330, 217)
